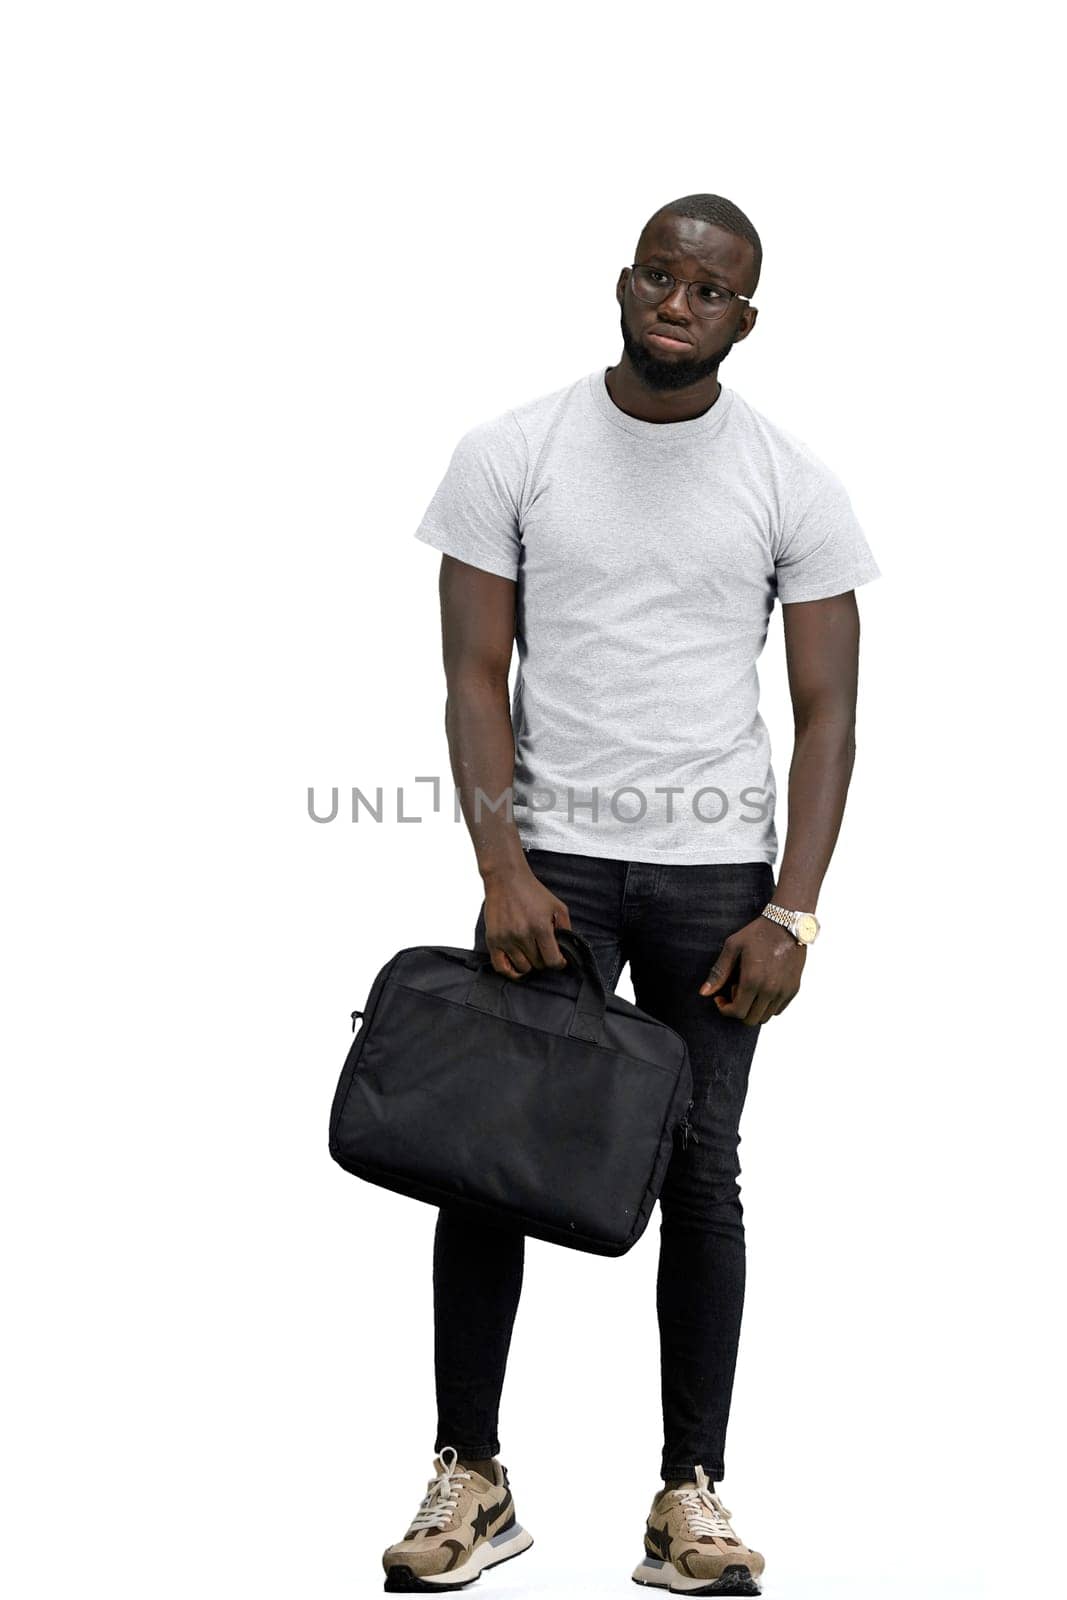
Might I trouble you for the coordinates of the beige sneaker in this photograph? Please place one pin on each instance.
(464, 1524)
(690, 1547)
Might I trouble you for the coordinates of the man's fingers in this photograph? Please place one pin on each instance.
(741, 1004)
(755, 1005)
(720, 972)
(551, 954)
(513, 962)
(537, 948)
(763, 1010)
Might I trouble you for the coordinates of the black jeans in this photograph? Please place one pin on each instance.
(669, 922)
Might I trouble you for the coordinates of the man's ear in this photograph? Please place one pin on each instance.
(748, 322)
(620, 287)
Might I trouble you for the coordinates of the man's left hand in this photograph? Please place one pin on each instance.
(757, 972)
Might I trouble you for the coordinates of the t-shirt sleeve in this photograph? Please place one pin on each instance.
(822, 550)
(474, 514)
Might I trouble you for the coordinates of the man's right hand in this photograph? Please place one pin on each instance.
(521, 918)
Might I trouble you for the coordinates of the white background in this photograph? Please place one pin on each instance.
(264, 264)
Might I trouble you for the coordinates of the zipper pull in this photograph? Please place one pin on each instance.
(355, 1014)
(687, 1128)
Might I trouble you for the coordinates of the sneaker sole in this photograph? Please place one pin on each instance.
(502, 1547)
(665, 1575)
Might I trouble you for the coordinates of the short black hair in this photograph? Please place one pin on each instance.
(715, 209)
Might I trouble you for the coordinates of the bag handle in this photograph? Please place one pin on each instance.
(588, 1020)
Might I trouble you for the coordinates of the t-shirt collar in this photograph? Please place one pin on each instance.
(701, 427)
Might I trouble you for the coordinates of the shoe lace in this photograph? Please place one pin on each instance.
(705, 1513)
(438, 1505)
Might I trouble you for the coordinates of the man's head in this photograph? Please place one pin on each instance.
(706, 240)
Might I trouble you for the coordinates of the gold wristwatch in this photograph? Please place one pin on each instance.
(803, 925)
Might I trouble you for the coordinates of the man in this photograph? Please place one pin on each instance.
(630, 533)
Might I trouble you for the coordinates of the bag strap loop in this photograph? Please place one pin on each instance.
(487, 991)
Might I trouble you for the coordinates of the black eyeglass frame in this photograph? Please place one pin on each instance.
(690, 283)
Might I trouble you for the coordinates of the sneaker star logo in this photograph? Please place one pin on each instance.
(660, 1541)
(482, 1519)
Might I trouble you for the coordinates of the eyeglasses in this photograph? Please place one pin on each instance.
(652, 284)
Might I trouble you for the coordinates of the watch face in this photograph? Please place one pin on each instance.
(807, 928)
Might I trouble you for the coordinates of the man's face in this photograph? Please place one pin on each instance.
(686, 248)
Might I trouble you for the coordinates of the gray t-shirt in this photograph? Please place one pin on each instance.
(647, 557)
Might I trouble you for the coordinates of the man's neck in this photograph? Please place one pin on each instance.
(659, 405)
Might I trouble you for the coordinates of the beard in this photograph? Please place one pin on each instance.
(663, 375)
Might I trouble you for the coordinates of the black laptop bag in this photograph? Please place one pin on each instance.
(541, 1103)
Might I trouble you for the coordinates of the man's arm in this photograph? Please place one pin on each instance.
(478, 633)
(822, 660)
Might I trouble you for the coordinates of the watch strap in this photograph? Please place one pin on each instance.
(794, 921)
(779, 914)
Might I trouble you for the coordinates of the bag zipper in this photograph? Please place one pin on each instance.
(687, 1128)
(356, 1014)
